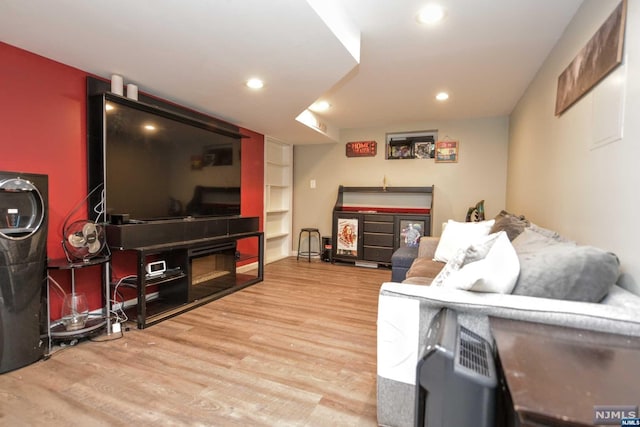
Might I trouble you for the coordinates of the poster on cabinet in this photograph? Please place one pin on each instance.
(347, 237)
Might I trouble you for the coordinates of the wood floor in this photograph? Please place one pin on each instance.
(298, 349)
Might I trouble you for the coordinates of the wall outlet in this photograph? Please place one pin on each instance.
(312, 183)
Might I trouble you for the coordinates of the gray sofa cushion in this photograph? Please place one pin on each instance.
(512, 224)
(553, 268)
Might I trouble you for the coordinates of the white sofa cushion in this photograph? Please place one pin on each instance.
(460, 235)
(487, 265)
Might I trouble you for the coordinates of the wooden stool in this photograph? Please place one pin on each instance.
(308, 253)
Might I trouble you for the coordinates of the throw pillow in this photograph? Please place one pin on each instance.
(552, 268)
(460, 235)
(510, 223)
(488, 265)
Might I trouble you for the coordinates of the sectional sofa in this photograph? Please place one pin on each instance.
(537, 275)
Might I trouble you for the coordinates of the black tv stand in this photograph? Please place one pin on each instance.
(200, 257)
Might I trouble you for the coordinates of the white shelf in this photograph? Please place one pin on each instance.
(276, 236)
(277, 198)
(272, 163)
(278, 158)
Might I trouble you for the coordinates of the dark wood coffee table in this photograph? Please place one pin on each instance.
(556, 375)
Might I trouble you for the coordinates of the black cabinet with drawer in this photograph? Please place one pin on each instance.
(370, 223)
(378, 237)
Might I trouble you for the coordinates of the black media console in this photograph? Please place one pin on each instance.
(198, 258)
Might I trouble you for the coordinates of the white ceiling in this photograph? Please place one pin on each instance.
(199, 53)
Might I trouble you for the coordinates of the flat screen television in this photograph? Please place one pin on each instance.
(155, 164)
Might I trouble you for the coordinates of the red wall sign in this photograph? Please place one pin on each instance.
(361, 149)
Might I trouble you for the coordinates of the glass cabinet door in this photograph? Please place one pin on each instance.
(347, 235)
(409, 229)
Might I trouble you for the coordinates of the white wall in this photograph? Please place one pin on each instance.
(479, 174)
(555, 176)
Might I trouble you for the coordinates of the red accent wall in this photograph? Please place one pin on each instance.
(252, 180)
(43, 130)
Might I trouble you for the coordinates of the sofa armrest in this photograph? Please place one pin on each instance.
(401, 261)
(611, 316)
(428, 245)
(405, 312)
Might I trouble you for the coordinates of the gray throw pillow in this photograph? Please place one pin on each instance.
(552, 268)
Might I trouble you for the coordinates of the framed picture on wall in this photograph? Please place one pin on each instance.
(602, 53)
(400, 150)
(424, 150)
(447, 151)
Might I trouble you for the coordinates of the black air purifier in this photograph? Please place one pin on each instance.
(456, 378)
(23, 267)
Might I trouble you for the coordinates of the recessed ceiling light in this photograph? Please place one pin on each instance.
(442, 96)
(430, 14)
(149, 127)
(320, 106)
(255, 83)
(109, 107)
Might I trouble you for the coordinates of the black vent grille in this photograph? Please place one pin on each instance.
(473, 353)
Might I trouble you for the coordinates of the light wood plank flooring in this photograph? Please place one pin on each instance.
(298, 349)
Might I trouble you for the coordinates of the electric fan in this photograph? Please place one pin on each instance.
(83, 240)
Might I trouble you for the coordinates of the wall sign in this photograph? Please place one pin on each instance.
(447, 151)
(362, 149)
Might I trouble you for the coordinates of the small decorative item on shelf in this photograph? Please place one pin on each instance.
(75, 311)
(117, 84)
(132, 91)
(476, 213)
